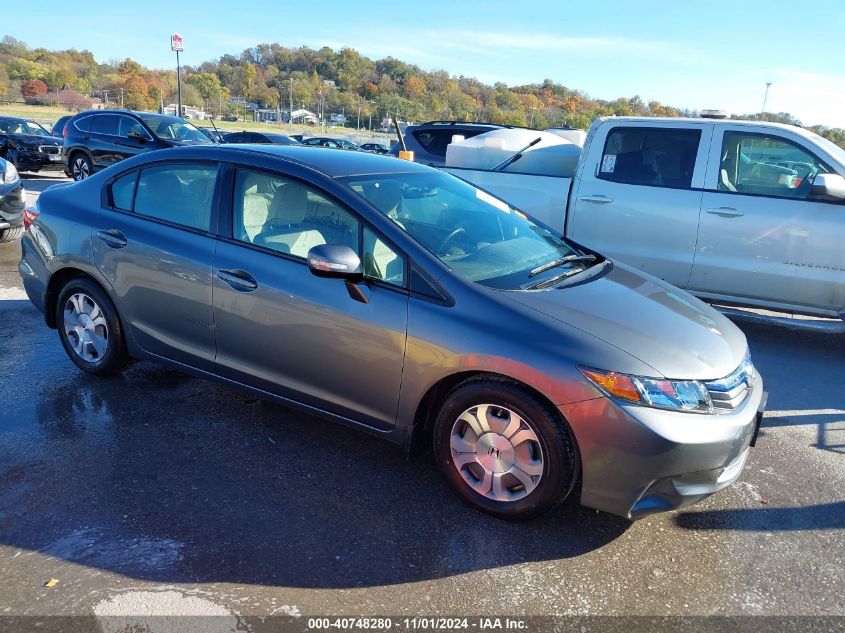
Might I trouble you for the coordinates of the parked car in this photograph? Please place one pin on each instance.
(377, 148)
(742, 213)
(12, 201)
(259, 137)
(297, 137)
(529, 363)
(212, 133)
(332, 143)
(96, 139)
(428, 140)
(29, 146)
(231, 118)
(59, 126)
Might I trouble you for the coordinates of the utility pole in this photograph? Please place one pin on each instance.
(766, 97)
(290, 113)
(177, 45)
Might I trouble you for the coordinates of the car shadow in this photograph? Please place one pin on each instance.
(826, 516)
(161, 476)
(38, 183)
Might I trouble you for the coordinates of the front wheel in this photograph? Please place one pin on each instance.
(80, 167)
(90, 329)
(503, 450)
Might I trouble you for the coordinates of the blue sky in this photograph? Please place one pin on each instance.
(704, 54)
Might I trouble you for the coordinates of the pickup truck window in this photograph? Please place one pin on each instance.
(659, 157)
(767, 165)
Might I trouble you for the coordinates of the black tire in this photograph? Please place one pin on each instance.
(80, 166)
(11, 234)
(115, 357)
(561, 463)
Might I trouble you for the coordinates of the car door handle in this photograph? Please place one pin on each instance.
(597, 199)
(238, 279)
(113, 238)
(725, 212)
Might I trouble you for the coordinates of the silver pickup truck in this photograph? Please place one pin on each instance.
(740, 213)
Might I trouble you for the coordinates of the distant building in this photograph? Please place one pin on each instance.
(74, 101)
(340, 119)
(188, 112)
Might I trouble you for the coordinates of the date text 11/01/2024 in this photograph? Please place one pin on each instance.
(417, 623)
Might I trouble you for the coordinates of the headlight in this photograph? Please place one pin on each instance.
(660, 393)
(11, 174)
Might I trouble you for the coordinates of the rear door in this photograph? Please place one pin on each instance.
(638, 194)
(102, 142)
(155, 244)
(284, 330)
(762, 237)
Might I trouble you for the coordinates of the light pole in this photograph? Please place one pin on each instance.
(290, 113)
(766, 97)
(177, 45)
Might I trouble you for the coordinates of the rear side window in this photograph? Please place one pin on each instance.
(661, 157)
(123, 190)
(104, 124)
(83, 124)
(436, 141)
(181, 194)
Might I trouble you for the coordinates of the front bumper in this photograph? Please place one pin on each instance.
(12, 202)
(36, 160)
(637, 461)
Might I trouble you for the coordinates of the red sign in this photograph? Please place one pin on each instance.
(176, 43)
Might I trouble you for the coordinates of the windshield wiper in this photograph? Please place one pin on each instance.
(555, 263)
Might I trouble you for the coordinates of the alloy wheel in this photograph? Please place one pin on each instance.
(496, 452)
(86, 327)
(80, 169)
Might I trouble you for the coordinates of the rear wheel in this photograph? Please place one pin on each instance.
(11, 234)
(90, 329)
(505, 451)
(80, 166)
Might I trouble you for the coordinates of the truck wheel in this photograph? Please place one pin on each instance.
(503, 450)
(90, 329)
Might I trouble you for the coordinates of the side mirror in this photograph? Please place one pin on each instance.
(830, 186)
(332, 260)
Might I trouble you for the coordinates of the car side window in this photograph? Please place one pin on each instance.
(767, 165)
(129, 125)
(104, 124)
(178, 193)
(288, 216)
(661, 157)
(84, 124)
(123, 191)
(381, 261)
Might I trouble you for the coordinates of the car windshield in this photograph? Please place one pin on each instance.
(479, 236)
(22, 127)
(174, 129)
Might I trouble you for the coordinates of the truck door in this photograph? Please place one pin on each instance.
(638, 192)
(763, 238)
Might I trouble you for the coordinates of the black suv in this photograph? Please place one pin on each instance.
(428, 140)
(96, 139)
(29, 146)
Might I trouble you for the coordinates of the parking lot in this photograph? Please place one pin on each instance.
(161, 492)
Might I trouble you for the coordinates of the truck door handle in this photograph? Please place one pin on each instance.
(725, 212)
(113, 238)
(238, 279)
(597, 199)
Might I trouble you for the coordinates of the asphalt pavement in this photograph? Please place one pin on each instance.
(159, 492)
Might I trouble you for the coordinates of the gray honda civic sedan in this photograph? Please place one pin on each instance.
(403, 301)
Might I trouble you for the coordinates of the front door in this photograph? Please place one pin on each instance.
(306, 338)
(641, 203)
(155, 245)
(762, 237)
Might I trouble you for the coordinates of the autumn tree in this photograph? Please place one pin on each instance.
(32, 89)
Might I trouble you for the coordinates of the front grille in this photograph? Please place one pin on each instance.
(50, 149)
(732, 390)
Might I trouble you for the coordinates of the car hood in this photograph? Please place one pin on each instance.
(34, 139)
(666, 328)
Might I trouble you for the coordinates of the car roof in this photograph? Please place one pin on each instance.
(331, 164)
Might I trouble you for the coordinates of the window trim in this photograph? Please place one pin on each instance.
(777, 137)
(227, 219)
(628, 128)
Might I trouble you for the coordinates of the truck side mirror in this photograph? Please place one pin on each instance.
(829, 186)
